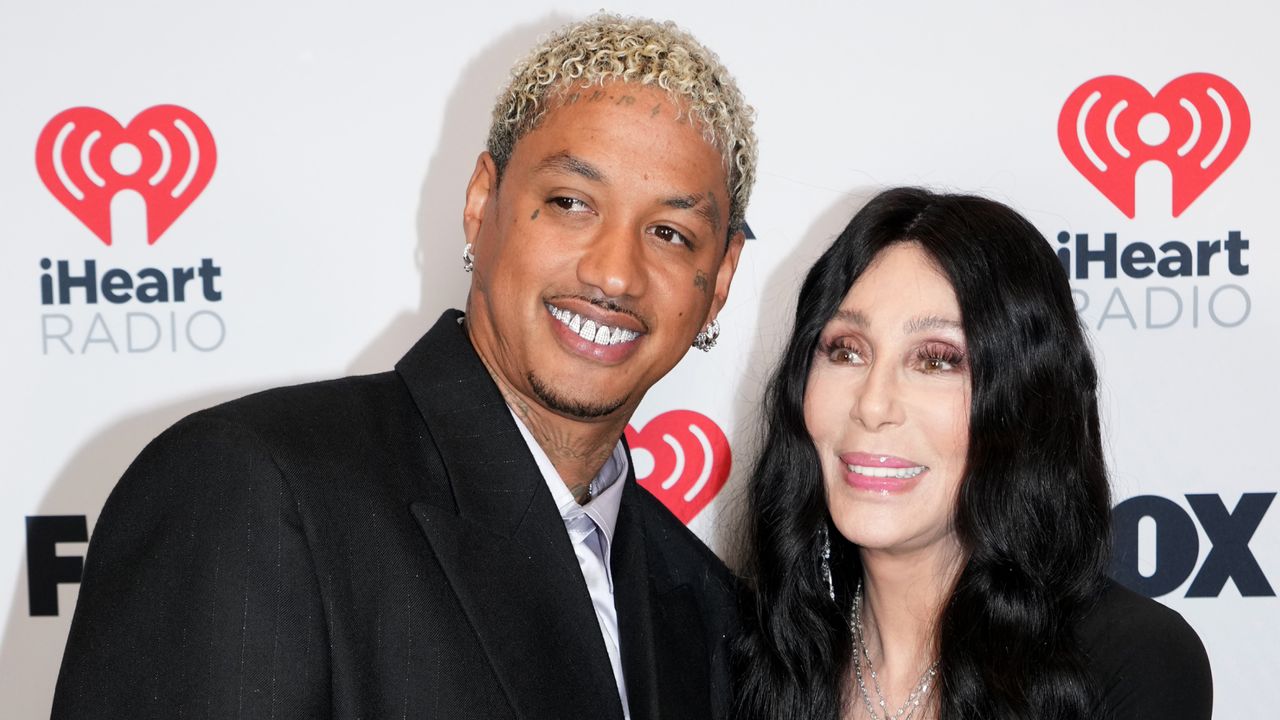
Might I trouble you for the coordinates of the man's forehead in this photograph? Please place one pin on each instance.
(611, 108)
(647, 101)
(623, 93)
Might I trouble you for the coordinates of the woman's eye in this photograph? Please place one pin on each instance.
(937, 365)
(940, 359)
(844, 356)
(671, 235)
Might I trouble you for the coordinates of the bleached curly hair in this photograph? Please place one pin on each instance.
(607, 47)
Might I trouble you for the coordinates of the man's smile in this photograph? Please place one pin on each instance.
(591, 330)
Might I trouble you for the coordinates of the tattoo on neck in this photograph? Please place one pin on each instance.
(558, 444)
(561, 445)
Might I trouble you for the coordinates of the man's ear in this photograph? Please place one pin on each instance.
(724, 276)
(482, 188)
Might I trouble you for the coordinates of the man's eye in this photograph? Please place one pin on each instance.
(671, 235)
(569, 204)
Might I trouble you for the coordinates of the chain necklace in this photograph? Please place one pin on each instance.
(860, 654)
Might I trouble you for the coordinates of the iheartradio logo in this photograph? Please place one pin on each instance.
(166, 154)
(1196, 125)
(683, 458)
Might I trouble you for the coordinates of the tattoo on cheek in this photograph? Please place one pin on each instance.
(654, 112)
(535, 214)
(700, 282)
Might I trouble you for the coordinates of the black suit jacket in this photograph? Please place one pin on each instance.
(376, 547)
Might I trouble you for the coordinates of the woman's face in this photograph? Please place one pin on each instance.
(887, 405)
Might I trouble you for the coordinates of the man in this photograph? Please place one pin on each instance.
(462, 537)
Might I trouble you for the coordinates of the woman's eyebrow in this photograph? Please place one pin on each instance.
(853, 317)
(930, 322)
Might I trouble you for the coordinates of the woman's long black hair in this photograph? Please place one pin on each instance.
(1034, 505)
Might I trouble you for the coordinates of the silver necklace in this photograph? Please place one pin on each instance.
(860, 654)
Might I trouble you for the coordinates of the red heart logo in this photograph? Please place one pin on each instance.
(166, 155)
(691, 460)
(1196, 125)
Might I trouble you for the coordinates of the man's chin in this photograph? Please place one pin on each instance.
(572, 407)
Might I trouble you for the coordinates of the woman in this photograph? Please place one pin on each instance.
(929, 517)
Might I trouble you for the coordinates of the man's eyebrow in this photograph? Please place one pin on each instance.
(564, 162)
(930, 322)
(709, 211)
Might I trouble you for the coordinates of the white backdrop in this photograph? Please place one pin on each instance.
(344, 137)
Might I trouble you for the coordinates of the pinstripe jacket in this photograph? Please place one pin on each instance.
(377, 547)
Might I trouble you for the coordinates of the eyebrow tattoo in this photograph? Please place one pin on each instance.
(713, 210)
(564, 162)
(709, 210)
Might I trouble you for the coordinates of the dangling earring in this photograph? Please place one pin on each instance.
(468, 260)
(826, 562)
(706, 338)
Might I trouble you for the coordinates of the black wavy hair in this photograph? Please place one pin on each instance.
(1033, 512)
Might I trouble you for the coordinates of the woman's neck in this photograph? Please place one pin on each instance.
(902, 599)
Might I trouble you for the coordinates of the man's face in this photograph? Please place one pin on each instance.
(613, 214)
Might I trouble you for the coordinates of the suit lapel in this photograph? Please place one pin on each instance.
(633, 601)
(503, 546)
(664, 654)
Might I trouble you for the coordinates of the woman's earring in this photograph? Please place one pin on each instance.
(468, 260)
(826, 563)
(706, 338)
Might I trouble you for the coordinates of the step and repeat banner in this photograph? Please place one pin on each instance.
(201, 201)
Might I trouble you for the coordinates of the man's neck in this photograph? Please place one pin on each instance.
(577, 449)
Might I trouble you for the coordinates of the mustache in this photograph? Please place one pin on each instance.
(609, 304)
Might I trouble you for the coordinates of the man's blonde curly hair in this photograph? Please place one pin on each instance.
(607, 47)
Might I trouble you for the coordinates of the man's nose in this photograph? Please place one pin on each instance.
(614, 261)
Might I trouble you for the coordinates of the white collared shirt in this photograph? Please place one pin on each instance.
(591, 529)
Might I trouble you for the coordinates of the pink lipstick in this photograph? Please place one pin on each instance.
(881, 472)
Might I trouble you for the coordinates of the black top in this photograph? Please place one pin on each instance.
(1146, 659)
